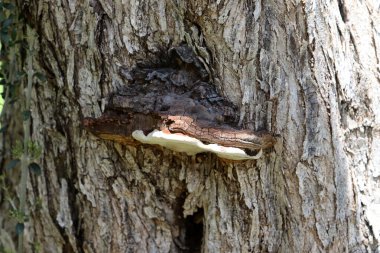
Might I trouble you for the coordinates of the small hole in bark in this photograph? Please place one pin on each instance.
(164, 108)
(251, 152)
(194, 231)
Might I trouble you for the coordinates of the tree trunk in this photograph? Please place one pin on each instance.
(307, 71)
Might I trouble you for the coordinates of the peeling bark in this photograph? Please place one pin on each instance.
(306, 70)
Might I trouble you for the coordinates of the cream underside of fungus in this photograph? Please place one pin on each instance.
(190, 145)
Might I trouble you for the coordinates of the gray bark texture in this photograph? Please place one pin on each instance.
(307, 71)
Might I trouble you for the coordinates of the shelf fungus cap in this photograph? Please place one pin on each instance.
(191, 146)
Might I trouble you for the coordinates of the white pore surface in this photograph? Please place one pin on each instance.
(191, 146)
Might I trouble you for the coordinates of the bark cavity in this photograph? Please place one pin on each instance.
(194, 232)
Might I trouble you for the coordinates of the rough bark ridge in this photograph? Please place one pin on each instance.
(307, 70)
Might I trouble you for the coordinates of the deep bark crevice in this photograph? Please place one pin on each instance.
(100, 39)
(194, 231)
(342, 10)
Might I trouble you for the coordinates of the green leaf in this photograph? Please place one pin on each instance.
(3, 129)
(13, 163)
(14, 35)
(7, 23)
(5, 38)
(26, 115)
(34, 149)
(9, 6)
(40, 76)
(17, 149)
(35, 168)
(20, 228)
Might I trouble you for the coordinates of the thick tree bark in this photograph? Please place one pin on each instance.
(305, 70)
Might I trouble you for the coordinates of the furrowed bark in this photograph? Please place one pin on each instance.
(307, 71)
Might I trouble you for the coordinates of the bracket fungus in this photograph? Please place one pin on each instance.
(173, 105)
(191, 146)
